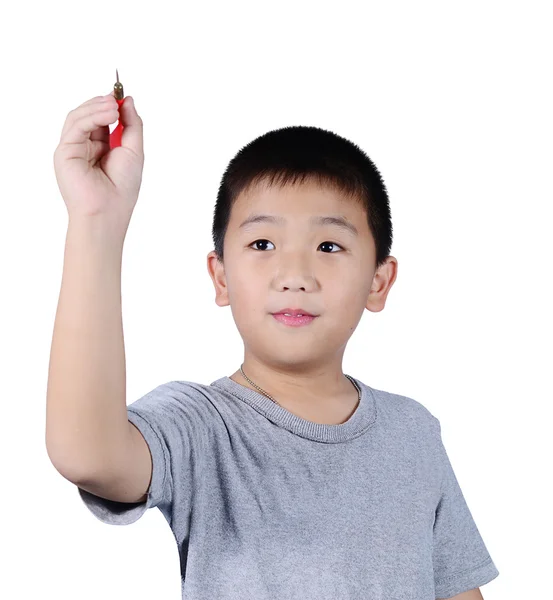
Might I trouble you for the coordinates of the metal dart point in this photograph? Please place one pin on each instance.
(118, 88)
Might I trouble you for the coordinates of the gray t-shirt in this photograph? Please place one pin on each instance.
(264, 504)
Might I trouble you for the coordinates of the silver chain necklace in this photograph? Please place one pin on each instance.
(269, 395)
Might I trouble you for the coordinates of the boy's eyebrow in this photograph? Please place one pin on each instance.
(336, 220)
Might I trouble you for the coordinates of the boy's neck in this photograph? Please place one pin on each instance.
(330, 399)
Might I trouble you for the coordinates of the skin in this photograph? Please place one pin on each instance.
(474, 594)
(301, 367)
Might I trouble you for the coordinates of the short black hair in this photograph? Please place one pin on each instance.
(299, 153)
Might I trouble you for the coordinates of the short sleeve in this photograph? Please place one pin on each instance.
(161, 418)
(460, 558)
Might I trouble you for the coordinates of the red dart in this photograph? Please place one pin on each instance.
(115, 135)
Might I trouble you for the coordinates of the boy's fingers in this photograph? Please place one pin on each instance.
(100, 135)
(132, 136)
(85, 109)
(77, 132)
(96, 99)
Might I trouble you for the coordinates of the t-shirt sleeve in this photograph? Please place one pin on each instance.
(460, 557)
(161, 417)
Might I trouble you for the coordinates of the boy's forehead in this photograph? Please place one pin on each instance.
(308, 198)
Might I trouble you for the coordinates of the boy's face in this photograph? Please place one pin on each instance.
(323, 269)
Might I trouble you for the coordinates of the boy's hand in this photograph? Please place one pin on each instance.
(93, 179)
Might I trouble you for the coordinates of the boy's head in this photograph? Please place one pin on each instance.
(298, 175)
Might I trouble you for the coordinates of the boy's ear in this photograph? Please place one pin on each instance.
(216, 271)
(382, 282)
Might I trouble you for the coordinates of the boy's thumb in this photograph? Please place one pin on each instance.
(132, 136)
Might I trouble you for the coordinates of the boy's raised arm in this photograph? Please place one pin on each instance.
(87, 431)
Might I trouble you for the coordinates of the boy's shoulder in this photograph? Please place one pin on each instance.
(182, 386)
(405, 407)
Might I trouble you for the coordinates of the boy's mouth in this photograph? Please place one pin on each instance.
(294, 312)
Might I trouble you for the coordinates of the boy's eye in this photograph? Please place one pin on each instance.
(322, 244)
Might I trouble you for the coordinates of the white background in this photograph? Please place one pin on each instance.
(453, 103)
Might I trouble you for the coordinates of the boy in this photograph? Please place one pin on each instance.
(288, 479)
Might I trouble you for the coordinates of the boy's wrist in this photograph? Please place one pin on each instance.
(95, 231)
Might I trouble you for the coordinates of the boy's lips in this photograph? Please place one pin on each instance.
(293, 321)
(294, 312)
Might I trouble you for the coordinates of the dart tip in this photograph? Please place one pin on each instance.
(118, 87)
